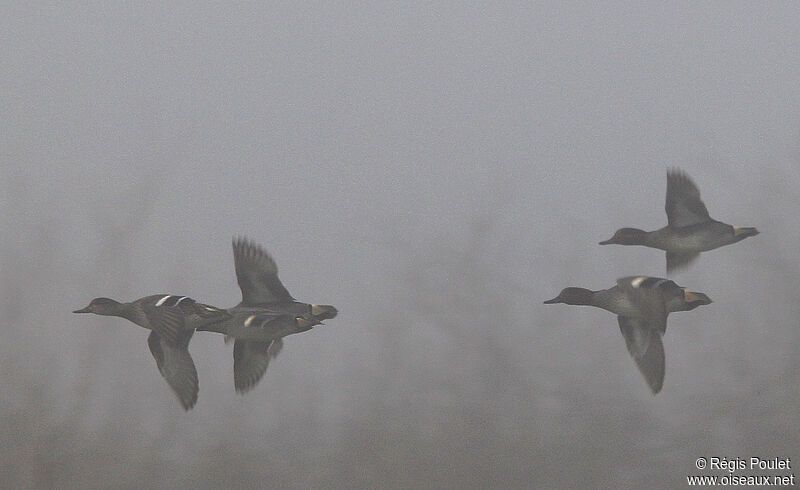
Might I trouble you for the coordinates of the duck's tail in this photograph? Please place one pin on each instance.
(324, 312)
(742, 232)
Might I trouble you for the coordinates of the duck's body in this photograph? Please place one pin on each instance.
(700, 237)
(690, 229)
(172, 320)
(641, 304)
(261, 323)
(623, 299)
(266, 314)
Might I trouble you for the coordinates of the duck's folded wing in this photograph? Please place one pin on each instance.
(176, 366)
(250, 362)
(676, 261)
(684, 206)
(210, 313)
(647, 295)
(257, 275)
(646, 348)
(267, 325)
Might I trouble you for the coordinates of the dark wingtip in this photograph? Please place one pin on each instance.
(189, 403)
(655, 385)
(240, 241)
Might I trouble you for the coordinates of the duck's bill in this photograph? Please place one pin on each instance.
(83, 310)
(553, 301)
(606, 242)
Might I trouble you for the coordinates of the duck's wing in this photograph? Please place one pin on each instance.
(684, 206)
(210, 313)
(257, 275)
(677, 261)
(269, 320)
(648, 296)
(176, 366)
(646, 348)
(166, 317)
(250, 362)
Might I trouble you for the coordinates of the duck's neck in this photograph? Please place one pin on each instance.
(129, 311)
(644, 238)
(660, 238)
(611, 300)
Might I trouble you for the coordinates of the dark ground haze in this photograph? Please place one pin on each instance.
(434, 170)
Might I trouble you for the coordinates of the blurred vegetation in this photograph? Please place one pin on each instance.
(462, 397)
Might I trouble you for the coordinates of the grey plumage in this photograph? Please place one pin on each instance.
(642, 305)
(266, 314)
(172, 320)
(690, 229)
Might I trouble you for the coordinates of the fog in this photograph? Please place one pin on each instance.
(435, 171)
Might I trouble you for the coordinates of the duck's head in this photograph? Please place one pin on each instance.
(324, 312)
(626, 236)
(694, 299)
(572, 296)
(100, 306)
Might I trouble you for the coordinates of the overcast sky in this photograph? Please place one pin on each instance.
(435, 170)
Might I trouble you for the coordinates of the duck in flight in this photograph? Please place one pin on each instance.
(641, 304)
(266, 314)
(172, 320)
(689, 231)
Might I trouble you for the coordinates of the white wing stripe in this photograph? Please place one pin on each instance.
(635, 282)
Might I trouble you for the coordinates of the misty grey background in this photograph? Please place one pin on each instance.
(435, 170)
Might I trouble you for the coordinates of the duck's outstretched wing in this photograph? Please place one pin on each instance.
(250, 362)
(684, 206)
(176, 366)
(166, 317)
(257, 275)
(646, 348)
(677, 261)
(647, 294)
